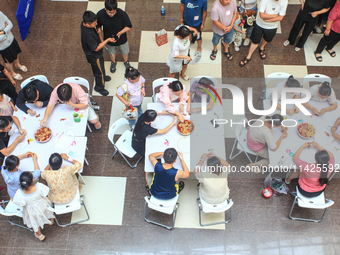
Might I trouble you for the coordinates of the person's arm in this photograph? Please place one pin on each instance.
(273, 19)
(298, 152)
(185, 173)
(238, 30)
(319, 148)
(328, 27)
(103, 43)
(270, 142)
(200, 163)
(167, 129)
(79, 106)
(48, 112)
(204, 17)
(37, 171)
(219, 25)
(8, 24)
(302, 4)
(7, 151)
(13, 106)
(223, 162)
(9, 76)
(25, 155)
(17, 123)
(235, 16)
(124, 30)
(21, 102)
(334, 128)
(189, 102)
(126, 103)
(48, 167)
(143, 89)
(47, 93)
(153, 157)
(313, 109)
(100, 34)
(316, 13)
(182, 12)
(330, 108)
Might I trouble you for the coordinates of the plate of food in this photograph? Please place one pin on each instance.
(185, 128)
(305, 130)
(43, 135)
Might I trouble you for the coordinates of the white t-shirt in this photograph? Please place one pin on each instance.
(248, 4)
(314, 90)
(271, 7)
(260, 135)
(279, 86)
(180, 47)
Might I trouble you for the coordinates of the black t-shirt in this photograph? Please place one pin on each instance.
(138, 139)
(2, 74)
(312, 6)
(4, 137)
(90, 41)
(112, 25)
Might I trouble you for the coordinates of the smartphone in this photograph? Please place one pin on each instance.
(115, 37)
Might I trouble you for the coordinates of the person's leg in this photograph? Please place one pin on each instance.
(113, 57)
(325, 40)
(199, 45)
(293, 175)
(252, 48)
(309, 26)
(171, 75)
(97, 72)
(126, 58)
(215, 40)
(298, 24)
(9, 67)
(18, 65)
(93, 118)
(184, 69)
(124, 49)
(227, 39)
(335, 38)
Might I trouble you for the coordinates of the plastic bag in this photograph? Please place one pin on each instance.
(276, 184)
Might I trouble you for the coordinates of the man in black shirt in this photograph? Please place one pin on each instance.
(36, 92)
(7, 84)
(93, 49)
(115, 24)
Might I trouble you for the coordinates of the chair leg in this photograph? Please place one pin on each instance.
(82, 179)
(88, 126)
(232, 151)
(94, 100)
(262, 93)
(114, 154)
(87, 163)
(21, 226)
(200, 210)
(132, 166)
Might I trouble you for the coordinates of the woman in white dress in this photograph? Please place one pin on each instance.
(33, 198)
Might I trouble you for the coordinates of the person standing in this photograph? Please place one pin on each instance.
(115, 23)
(93, 49)
(271, 13)
(223, 14)
(7, 84)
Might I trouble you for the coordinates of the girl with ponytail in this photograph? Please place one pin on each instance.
(134, 85)
(144, 129)
(313, 176)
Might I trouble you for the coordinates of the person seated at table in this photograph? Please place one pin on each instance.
(320, 93)
(312, 183)
(62, 181)
(213, 183)
(5, 127)
(174, 92)
(163, 184)
(37, 92)
(196, 92)
(289, 83)
(334, 128)
(7, 106)
(144, 129)
(11, 171)
(260, 138)
(74, 96)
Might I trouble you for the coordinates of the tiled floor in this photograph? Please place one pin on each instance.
(258, 226)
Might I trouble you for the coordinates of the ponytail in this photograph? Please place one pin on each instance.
(292, 83)
(322, 158)
(131, 73)
(175, 86)
(325, 89)
(26, 180)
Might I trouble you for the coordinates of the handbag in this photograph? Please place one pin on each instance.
(132, 112)
(161, 37)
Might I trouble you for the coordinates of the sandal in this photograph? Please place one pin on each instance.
(41, 237)
(213, 54)
(228, 55)
(245, 61)
(17, 77)
(331, 53)
(98, 125)
(22, 68)
(263, 54)
(318, 58)
(186, 78)
(148, 189)
(180, 186)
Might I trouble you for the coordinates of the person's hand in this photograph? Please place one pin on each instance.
(181, 108)
(227, 29)
(64, 156)
(175, 119)
(111, 39)
(13, 83)
(194, 110)
(181, 20)
(314, 14)
(181, 118)
(31, 112)
(211, 154)
(242, 32)
(315, 144)
(119, 34)
(307, 144)
(204, 156)
(322, 112)
(302, 6)
(43, 123)
(188, 108)
(2, 32)
(284, 135)
(127, 105)
(34, 156)
(327, 31)
(38, 103)
(69, 103)
(28, 154)
(202, 27)
(15, 109)
(21, 138)
(333, 129)
(188, 58)
(296, 109)
(142, 92)
(195, 32)
(290, 111)
(22, 131)
(180, 155)
(315, 111)
(284, 129)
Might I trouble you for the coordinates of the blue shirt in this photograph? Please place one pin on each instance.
(193, 11)
(163, 184)
(12, 180)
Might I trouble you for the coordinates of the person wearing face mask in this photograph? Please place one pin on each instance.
(36, 92)
(74, 96)
(320, 93)
(174, 92)
(289, 83)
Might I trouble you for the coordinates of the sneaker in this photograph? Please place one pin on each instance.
(113, 67)
(95, 107)
(101, 91)
(107, 78)
(318, 29)
(286, 43)
(297, 49)
(127, 64)
(246, 42)
(236, 48)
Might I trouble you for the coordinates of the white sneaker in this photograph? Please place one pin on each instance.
(318, 29)
(236, 48)
(286, 43)
(246, 42)
(297, 49)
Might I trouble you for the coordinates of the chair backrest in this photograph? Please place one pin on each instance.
(239, 129)
(72, 206)
(115, 126)
(79, 81)
(36, 77)
(272, 79)
(11, 209)
(316, 78)
(216, 208)
(197, 78)
(160, 82)
(318, 202)
(160, 205)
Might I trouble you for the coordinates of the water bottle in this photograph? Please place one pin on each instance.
(163, 11)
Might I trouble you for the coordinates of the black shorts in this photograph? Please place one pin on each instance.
(193, 37)
(258, 32)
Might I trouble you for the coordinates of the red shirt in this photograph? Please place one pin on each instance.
(334, 16)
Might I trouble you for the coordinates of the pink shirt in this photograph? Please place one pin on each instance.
(309, 175)
(223, 14)
(78, 95)
(135, 90)
(334, 16)
(166, 97)
(5, 107)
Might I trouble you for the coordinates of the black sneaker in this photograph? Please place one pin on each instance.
(101, 91)
(107, 78)
(127, 64)
(113, 67)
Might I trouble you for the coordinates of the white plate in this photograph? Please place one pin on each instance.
(322, 138)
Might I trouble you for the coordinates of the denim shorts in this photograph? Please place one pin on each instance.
(226, 37)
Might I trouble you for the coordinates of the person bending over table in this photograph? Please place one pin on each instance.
(313, 176)
(290, 83)
(74, 96)
(213, 184)
(36, 92)
(320, 93)
(144, 129)
(164, 181)
(5, 127)
(334, 128)
(260, 139)
(174, 92)
(62, 181)
(196, 89)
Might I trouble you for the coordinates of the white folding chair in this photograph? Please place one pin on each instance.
(12, 210)
(164, 206)
(271, 80)
(74, 205)
(214, 208)
(316, 78)
(123, 145)
(241, 142)
(157, 83)
(36, 77)
(319, 202)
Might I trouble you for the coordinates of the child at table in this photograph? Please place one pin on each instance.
(6, 105)
(134, 85)
(196, 92)
(11, 171)
(320, 93)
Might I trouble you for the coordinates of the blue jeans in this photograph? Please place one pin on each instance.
(140, 112)
(226, 37)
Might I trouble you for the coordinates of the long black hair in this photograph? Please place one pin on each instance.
(277, 119)
(26, 180)
(325, 89)
(292, 83)
(147, 116)
(322, 158)
(182, 32)
(175, 86)
(131, 73)
(11, 162)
